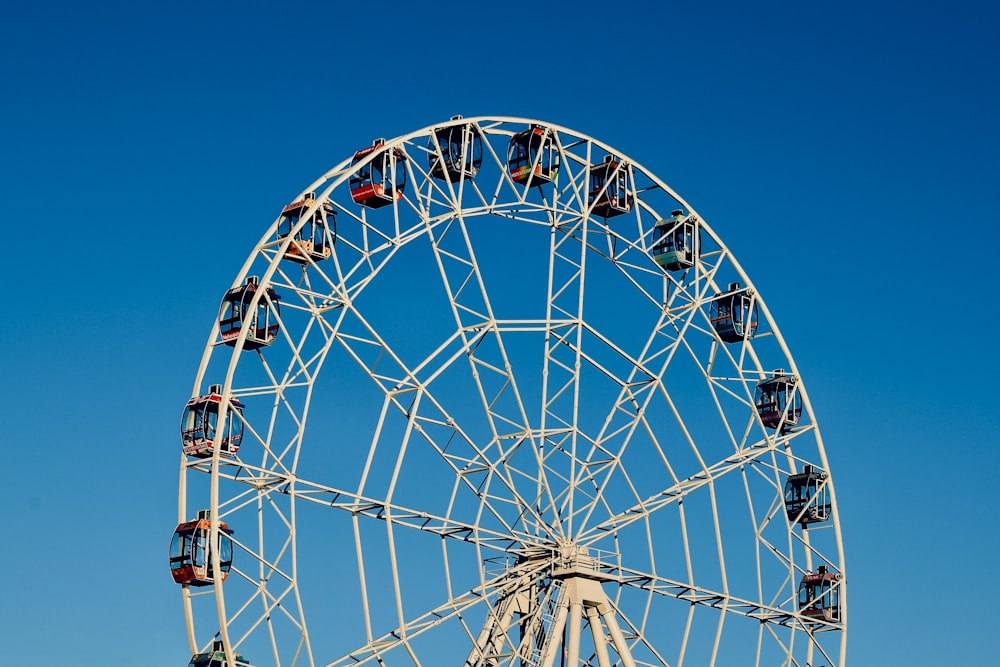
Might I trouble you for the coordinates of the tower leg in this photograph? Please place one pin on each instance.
(600, 639)
(573, 640)
(552, 640)
(617, 638)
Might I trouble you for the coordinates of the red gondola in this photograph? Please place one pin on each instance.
(734, 314)
(609, 188)
(381, 181)
(238, 309)
(675, 241)
(533, 157)
(199, 425)
(314, 240)
(819, 596)
(806, 498)
(216, 657)
(461, 151)
(191, 552)
(778, 403)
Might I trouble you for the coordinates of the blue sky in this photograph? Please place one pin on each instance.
(848, 153)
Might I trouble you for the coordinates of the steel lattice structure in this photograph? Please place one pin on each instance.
(529, 443)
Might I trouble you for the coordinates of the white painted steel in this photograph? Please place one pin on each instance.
(523, 422)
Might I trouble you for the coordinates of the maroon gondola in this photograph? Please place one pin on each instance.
(806, 498)
(734, 314)
(819, 596)
(380, 181)
(199, 425)
(239, 310)
(610, 194)
(779, 404)
(191, 552)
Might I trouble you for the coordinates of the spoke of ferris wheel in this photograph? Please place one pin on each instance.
(496, 588)
(627, 393)
(565, 296)
(382, 510)
(640, 365)
(640, 380)
(765, 613)
(470, 281)
(668, 496)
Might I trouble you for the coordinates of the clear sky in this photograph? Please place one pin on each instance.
(848, 153)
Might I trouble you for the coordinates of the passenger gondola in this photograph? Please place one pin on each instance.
(216, 657)
(381, 181)
(199, 425)
(314, 240)
(238, 310)
(533, 157)
(461, 151)
(734, 314)
(779, 404)
(191, 552)
(675, 241)
(609, 188)
(806, 497)
(819, 596)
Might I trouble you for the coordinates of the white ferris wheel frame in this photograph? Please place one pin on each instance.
(556, 579)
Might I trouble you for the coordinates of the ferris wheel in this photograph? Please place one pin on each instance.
(492, 394)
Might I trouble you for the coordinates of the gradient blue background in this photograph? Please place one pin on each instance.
(847, 152)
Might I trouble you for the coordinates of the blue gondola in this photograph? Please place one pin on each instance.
(191, 552)
(216, 657)
(734, 314)
(609, 188)
(675, 241)
(315, 238)
(461, 151)
(806, 497)
(199, 425)
(778, 403)
(381, 181)
(533, 157)
(819, 596)
(238, 311)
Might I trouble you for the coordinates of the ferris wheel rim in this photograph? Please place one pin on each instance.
(335, 178)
